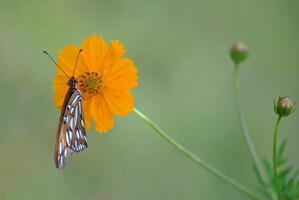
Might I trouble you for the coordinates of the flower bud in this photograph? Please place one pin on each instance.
(239, 52)
(284, 106)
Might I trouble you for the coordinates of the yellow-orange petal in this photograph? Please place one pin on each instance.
(101, 114)
(67, 60)
(122, 75)
(114, 53)
(60, 89)
(120, 102)
(94, 50)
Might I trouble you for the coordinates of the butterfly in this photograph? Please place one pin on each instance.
(71, 134)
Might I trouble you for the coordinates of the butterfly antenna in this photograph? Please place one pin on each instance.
(77, 61)
(56, 63)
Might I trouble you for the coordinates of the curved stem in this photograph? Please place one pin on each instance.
(196, 159)
(274, 155)
(244, 127)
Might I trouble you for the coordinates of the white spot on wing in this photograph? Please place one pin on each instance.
(78, 133)
(81, 135)
(76, 115)
(61, 162)
(82, 123)
(72, 123)
(65, 152)
(75, 100)
(67, 139)
(64, 119)
(60, 148)
(70, 134)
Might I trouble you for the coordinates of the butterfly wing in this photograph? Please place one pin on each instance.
(71, 135)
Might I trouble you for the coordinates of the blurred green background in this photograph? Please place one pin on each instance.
(185, 85)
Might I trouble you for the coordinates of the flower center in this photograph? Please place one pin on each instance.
(90, 83)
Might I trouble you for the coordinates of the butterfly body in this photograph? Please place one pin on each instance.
(71, 134)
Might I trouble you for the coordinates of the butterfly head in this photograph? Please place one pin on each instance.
(72, 82)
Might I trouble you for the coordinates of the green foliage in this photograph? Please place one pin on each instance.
(286, 185)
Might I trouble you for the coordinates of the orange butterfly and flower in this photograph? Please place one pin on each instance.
(103, 80)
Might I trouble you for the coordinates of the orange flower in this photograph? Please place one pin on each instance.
(104, 79)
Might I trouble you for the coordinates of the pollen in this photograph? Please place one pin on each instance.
(90, 83)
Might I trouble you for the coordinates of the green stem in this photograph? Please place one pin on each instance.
(196, 159)
(244, 127)
(274, 154)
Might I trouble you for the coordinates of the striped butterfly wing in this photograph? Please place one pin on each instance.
(71, 135)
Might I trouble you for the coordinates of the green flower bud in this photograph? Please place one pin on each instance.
(239, 52)
(284, 106)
